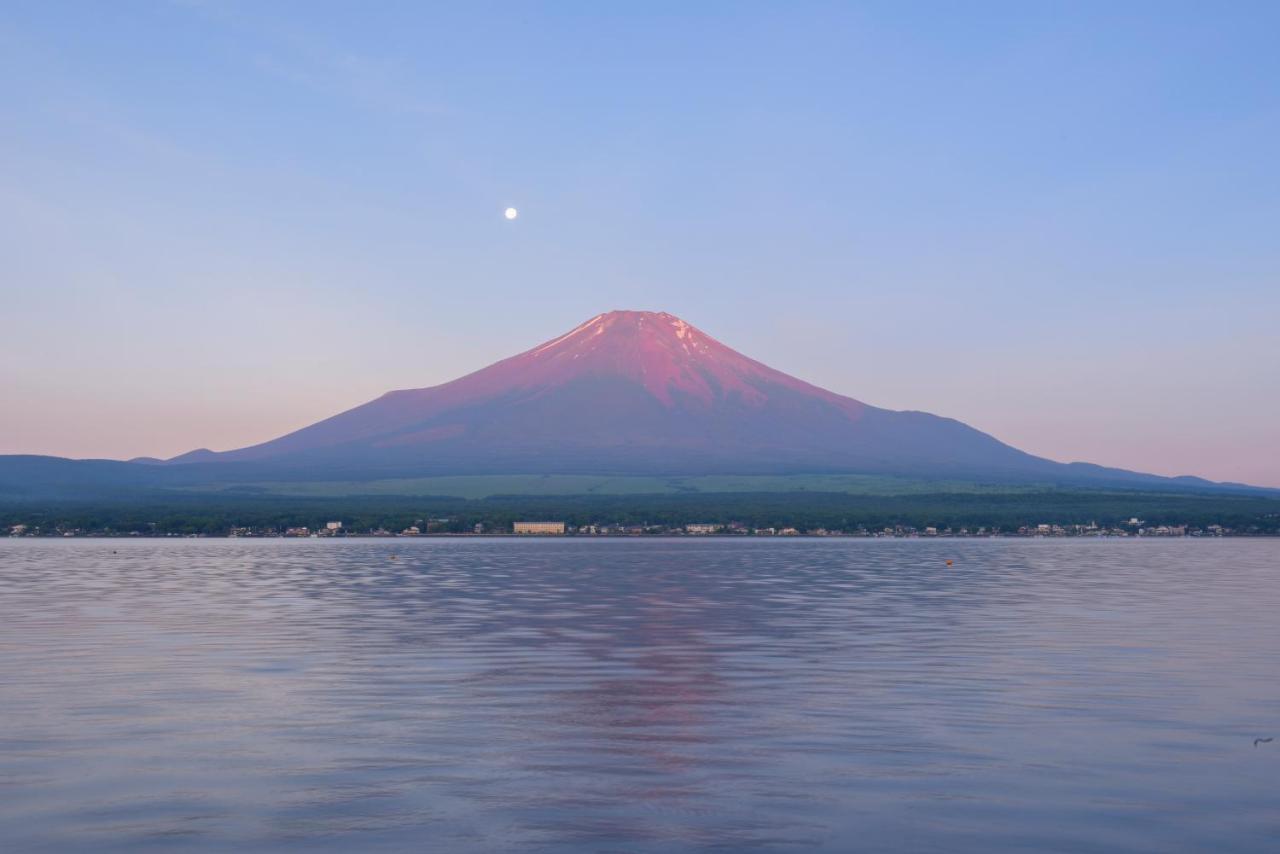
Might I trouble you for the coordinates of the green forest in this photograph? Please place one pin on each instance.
(177, 513)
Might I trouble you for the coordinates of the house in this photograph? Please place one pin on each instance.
(701, 528)
(538, 528)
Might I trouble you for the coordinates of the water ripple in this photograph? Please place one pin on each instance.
(638, 696)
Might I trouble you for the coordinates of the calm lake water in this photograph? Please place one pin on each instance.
(671, 695)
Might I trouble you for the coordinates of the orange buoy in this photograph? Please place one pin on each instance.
(948, 563)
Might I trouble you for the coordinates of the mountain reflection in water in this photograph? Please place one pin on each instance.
(638, 695)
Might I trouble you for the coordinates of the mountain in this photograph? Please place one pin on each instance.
(636, 392)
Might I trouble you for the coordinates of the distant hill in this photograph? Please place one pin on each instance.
(625, 393)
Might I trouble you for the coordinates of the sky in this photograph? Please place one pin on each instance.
(222, 221)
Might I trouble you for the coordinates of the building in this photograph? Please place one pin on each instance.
(538, 528)
(701, 528)
(333, 526)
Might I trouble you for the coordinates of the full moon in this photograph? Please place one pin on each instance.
(511, 213)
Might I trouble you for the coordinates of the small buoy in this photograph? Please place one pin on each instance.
(393, 557)
(948, 563)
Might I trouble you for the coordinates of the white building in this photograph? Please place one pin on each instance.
(538, 528)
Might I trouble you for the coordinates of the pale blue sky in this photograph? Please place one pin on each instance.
(220, 221)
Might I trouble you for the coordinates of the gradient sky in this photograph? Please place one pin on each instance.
(1060, 223)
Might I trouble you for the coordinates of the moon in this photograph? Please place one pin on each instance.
(511, 213)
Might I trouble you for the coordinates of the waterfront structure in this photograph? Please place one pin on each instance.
(538, 527)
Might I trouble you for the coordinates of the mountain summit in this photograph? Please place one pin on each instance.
(678, 364)
(638, 392)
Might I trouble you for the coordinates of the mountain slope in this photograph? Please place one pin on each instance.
(640, 392)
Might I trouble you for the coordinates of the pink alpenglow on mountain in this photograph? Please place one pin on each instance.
(634, 392)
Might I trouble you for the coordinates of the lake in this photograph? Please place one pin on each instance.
(639, 695)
